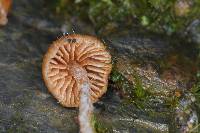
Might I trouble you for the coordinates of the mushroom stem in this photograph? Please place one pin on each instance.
(85, 109)
(85, 106)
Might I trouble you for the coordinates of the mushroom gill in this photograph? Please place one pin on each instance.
(72, 60)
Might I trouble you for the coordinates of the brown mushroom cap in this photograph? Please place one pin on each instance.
(70, 56)
(5, 6)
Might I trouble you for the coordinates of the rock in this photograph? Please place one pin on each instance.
(27, 106)
(136, 58)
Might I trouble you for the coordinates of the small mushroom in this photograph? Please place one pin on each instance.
(4, 9)
(72, 61)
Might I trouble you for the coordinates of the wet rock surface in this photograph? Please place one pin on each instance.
(27, 106)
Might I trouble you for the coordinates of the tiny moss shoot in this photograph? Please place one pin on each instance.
(100, 126)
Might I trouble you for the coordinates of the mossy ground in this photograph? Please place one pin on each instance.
(157, 15)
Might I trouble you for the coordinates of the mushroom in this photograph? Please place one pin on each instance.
(4, 9)
(75, 70)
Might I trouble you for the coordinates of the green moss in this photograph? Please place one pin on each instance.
(116, 76)
(158, 15)
(132, 93)
(135, 90)
(137, 94)
(139, 90)
(100, 126)
(122, 84)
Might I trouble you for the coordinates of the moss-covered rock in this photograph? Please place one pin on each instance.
(157, 15)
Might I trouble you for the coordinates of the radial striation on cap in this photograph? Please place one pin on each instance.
(71, 59)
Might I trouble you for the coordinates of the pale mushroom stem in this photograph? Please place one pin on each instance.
(85, 106)
(85, 109)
